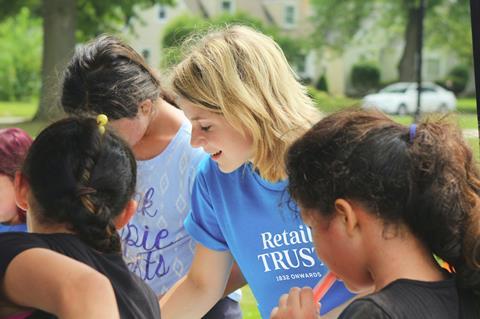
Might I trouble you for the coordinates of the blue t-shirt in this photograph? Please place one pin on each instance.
(13, 228)
(260, 225)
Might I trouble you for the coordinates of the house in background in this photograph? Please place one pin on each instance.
(293, 18)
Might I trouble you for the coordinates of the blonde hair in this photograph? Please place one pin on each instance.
(244, 75)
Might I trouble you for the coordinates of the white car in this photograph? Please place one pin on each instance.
(401, 98)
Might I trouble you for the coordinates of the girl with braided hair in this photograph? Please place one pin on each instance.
(76, 185)
(387, 198)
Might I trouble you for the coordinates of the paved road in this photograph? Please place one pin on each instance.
(470, 133)
(12, 119)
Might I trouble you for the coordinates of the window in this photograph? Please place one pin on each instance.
(428, 88)
(162, 13)
(432, 66)
(146, 55)
(227, 6)
(302, 65)
(395, 88)
(290, 16)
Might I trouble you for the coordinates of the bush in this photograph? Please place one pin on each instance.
(322, 84)
(457, 79)
(306, 81)
(365, 77)
(182, 27)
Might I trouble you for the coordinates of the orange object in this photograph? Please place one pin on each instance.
(323, 286)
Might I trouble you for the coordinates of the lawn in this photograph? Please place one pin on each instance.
(249, 304)
(466, 118)
(18, 109)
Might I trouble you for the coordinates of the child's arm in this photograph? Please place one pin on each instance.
(196, 293)
(42, 279)
(298, 304)
(235, 281)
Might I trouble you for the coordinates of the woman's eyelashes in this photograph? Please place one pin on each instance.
(205, 128)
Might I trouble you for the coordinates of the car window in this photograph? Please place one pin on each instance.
(427, 89)
(394, 89)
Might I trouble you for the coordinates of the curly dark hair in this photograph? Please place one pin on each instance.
(82, 178)
(429, 183)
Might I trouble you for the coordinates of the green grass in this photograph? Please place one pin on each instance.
(473, 142)
(465, 121)
(467, 105)
(32, 128)
(328, 103)
(18, 109)
(25, 110)
(249, 304)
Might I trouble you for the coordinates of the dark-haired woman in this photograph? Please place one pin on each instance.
(76, 185)
(387, 198)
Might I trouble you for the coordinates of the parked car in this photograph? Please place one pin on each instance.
(401, 98)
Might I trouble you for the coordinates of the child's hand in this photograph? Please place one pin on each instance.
(298, 304)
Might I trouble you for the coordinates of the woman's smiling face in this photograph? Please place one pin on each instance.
(226, 145)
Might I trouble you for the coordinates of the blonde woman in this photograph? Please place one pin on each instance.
(246, 107)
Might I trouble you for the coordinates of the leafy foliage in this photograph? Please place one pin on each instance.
(449, 27)
(337, 23)
(94, 17)
(186, 26)
(21, 37)
(457, 79)
(20, 56)
(322, 84)
(365, 77)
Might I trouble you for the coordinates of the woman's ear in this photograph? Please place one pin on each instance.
(348, 216)
(146, 107)
(22, 189)
(126, 214)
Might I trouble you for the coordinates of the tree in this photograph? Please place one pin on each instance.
(338, 22)
(449, 27)
(182, 27)
(65, 22)
(20, 55)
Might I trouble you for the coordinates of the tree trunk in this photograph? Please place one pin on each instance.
(406, 66)
(59, 24)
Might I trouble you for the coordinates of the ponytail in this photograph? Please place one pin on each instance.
(445, 208)
(82, 178)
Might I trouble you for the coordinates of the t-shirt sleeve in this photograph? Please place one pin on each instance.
(12, 244)
(202, 222)
(364, 308)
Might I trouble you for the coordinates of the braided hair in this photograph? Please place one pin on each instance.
(82, 178)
